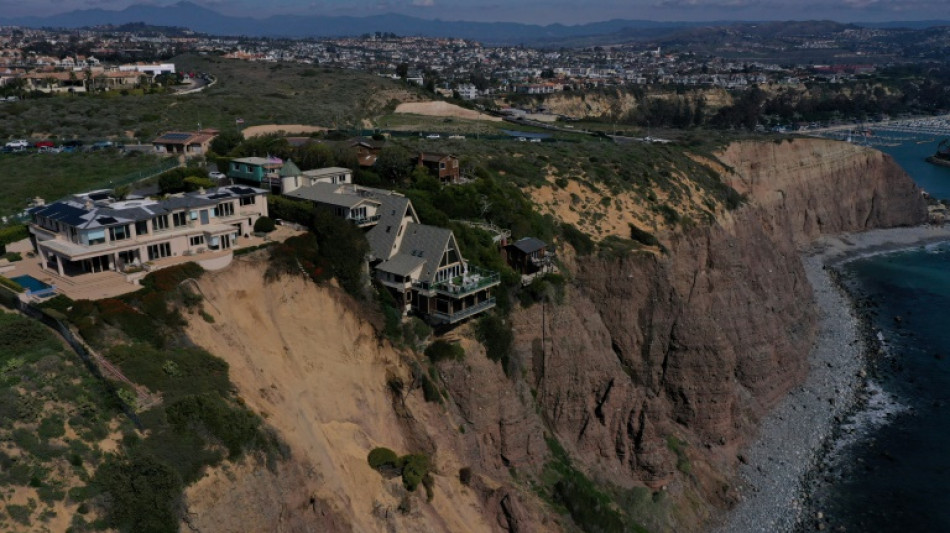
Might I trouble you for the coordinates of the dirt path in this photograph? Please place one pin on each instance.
(443, 109)
(257, 131)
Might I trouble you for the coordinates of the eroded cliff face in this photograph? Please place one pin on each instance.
(651, 373)
(699, 343)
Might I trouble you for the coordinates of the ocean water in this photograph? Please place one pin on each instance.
(890, 471)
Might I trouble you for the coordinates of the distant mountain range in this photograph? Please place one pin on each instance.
(203, 20)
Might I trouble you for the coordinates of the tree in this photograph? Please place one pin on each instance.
(394, 163)
(313, 155)
(226, 141)
(402, 70)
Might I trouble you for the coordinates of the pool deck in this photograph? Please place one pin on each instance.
(110, 284)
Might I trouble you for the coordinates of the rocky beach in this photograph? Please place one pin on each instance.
(799, 432)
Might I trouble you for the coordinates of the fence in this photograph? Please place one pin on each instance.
(140, 175)
(11, 300)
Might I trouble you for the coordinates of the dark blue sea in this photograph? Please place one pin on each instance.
(890, 471)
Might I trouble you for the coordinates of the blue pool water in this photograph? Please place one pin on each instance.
(31, 284)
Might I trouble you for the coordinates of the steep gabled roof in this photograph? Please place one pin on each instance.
(427, 243)
(382, 237)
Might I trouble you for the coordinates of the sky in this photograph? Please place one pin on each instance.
(540, 11)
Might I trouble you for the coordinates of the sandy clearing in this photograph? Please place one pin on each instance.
(290, 129)
(443, 109)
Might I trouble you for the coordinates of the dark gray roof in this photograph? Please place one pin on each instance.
(331, 194)
(529, 245)
(79, 210)
(382, 237)
(428, 243)
(401, 264)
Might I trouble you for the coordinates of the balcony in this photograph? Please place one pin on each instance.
(365, 221)
(474, 280)
(452, 318)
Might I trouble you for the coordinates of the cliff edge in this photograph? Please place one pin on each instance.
(647, 377)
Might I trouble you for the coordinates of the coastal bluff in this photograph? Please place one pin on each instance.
(696, 345)
(650, 374)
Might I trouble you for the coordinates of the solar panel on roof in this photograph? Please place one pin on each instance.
(218, 196)
(106, 220)
(65, 213)
(175, 137)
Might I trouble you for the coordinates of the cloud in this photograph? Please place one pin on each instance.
(423, 3)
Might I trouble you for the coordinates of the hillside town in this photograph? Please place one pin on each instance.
(104, 59)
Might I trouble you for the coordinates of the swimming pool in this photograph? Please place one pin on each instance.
(31, 284)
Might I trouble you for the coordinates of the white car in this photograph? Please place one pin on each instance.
(215, 175)
(433, 136)
(19, 143)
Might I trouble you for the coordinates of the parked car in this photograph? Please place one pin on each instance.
(215, 175)
(19, 143)
(102, 145)
(44, 144)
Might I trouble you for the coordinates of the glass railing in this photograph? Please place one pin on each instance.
(365, 220)
(451, 318)
(474, 280)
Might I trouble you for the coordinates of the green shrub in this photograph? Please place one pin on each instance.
(145, 494)
(465, 476)
(264, 225)
(19, 513)
(415, 467)
(10, 284)
(13, 256)
(642, 236)
(497, 338)
(297, 211)
(13, 233)
(382, 457)
(678, 447)
(579, 240)
(51, 427)
(430, 391)
(235, 427)
(441, 350)
(168, 279)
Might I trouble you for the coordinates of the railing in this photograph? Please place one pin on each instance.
(474, 280)
(365, 220)
(452, 318)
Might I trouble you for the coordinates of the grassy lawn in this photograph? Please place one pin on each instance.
(52, 176)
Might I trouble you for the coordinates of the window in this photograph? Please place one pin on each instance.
(247, 200)
(180, 219)
(141, 227)
(160, 222)
(197, 240)
(119, 233)
(95, 237)
(224, 210)
(158, 251)
(442, 166)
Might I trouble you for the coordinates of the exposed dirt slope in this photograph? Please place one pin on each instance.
(306, 361)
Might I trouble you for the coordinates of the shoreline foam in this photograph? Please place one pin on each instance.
(795, 437)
